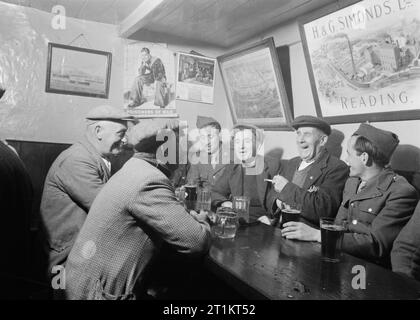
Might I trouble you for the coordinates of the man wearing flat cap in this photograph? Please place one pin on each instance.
(210, 164)
(134, 217)
(313, 182)
(76, 177)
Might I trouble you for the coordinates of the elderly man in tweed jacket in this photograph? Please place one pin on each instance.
(131, 219)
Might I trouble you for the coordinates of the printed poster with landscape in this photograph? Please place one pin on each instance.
(364, 61)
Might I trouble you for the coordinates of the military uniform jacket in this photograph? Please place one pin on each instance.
(405, 254)
(321, 193)
(376, 214)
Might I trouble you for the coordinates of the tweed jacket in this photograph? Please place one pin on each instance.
(326, 176)
(71, 185)
(405, 254)
(231, 183)
(376, 215)
(132, 218)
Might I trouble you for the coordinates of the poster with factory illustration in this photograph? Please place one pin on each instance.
(364, 61)
(149, 80)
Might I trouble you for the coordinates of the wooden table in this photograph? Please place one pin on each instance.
(260, 264)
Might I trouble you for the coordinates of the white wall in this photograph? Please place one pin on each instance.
(27, 112)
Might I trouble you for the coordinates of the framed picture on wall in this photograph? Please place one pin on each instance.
(78, 71)
(195, 78)
(363, 59)
(254, 86)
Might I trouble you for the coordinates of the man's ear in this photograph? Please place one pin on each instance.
(98, 131)
(323, 140)
(365, 158)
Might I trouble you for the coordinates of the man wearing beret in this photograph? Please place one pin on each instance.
(377, 202)
(76, 177)
(312, 182)
(134, 217)
(405, 254)
(210, 164)
(245, 177)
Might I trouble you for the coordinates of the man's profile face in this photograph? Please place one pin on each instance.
(309, 141)
(112, 137)
(209, 139)
(353, 160)
(244, 144)
(145, 57)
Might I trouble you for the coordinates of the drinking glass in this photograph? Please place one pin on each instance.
(331, 239)
(226, 223)
(240, 205)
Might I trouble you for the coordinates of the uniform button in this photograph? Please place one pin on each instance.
(311, 177)
(370, 209)
(352, 204)
(354, 221)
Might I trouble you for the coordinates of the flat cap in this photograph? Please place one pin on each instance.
(106, 112)
(205, 121)
(385, 141)
(310, 121)
(143, 135)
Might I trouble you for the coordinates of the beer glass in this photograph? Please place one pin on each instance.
(331, 239)
(288, 215)
(190, 197)
(241, 207)
(203, 200)
(226, 223)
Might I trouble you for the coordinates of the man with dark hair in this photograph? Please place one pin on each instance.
(133, 218)
(245, 177)
(210, 160)
(377, 202)
(313, 182)
(151, 72)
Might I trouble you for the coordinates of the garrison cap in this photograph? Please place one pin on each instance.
(385, 141)
(310, 121)
(205, 121)
(106, 112)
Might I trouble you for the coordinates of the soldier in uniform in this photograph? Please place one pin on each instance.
(210, 164)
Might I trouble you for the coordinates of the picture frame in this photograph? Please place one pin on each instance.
(78, 71)
(195, 78)
(363, 60)
(254, 86)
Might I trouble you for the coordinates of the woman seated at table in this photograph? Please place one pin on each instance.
(245, 177)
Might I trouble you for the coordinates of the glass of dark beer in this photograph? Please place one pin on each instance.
(288, 215)
(331, 239)
(190, 197)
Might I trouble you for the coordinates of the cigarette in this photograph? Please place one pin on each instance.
(268, 180)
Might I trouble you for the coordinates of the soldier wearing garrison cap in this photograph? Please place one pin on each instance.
(76, 177)
(312, 182)
(377, 202)
(210, 165)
